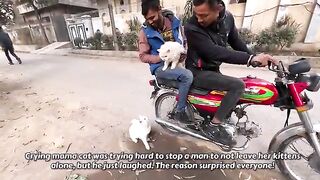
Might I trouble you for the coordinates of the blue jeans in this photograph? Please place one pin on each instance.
(185, 79)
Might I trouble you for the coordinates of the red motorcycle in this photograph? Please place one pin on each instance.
(286, 93)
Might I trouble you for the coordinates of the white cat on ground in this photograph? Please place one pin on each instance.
(170, 53)
(140, 129)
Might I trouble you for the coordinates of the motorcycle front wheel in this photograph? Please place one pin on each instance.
(307, 167)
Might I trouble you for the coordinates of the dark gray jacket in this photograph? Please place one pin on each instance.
(5, 40)
(207, 47)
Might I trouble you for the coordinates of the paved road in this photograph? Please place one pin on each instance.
(86, 104)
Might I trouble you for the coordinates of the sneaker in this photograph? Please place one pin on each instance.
(11, 63)
(19, 61)
(218, 133)
(181, 117)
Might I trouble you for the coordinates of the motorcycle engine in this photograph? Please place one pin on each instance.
(249, 129)
(231, 129)
(246, 128)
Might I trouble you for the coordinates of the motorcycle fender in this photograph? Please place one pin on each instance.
(289, 131)
(162, 91)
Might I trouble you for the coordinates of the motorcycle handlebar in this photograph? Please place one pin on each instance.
(279, 69)
(258, 64)
(269, 64)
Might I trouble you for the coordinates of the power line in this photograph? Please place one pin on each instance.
(307, 9)
(284, 5)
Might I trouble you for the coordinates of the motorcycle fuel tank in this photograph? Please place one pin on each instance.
(257, 91)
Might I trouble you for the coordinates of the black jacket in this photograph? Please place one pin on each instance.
(5, 40)
(207, 47)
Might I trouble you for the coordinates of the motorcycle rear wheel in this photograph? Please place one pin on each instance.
(165, 106)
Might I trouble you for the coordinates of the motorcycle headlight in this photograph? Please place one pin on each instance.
(313, 81)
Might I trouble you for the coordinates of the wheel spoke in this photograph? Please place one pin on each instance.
(305, 141)
(164, 107)
(292, 147)
(310, 172)
(299, 168)
(295, 149)
(167, 107)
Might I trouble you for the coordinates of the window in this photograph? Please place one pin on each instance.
(108, 24)
(121, 2)
(45, 19)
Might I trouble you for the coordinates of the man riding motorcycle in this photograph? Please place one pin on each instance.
(208, 32)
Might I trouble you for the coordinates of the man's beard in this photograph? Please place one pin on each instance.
(158, 24)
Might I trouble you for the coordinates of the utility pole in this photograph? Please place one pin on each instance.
(113, 26)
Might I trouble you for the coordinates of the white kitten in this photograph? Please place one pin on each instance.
(140, 129)
(170, 52)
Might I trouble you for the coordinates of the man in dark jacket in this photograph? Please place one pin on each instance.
(208, 32)
(7, 46)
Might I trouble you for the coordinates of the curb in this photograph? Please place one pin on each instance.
(102, 57)
(119, 54)
(134, 56)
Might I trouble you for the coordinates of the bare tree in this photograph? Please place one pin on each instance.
(188, 11)
(6, 12)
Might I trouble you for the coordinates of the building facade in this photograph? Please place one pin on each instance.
(52, 18)
(251, 14)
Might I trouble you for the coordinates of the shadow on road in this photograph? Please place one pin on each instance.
(165, 143)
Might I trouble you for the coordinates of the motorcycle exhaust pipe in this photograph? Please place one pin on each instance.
(224, 147)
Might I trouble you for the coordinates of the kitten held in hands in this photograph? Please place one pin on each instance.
(170, 53)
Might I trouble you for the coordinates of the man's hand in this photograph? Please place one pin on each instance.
(183, 57)
(263, 60)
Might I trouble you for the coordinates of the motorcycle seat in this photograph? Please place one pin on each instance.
(174, 84)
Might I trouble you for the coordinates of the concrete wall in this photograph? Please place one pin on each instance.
(313, 33)
(49, 24)
(53, 19)
(318, 38)
(301, 15)
(21, 35)
(59, 24)
(238, 11)
(97, 24)
(255, 23)
(82, 3)
(25, 8)
(303, 47)
(283, 11)
(124, 8)
(120, 18)
(136, 5)
(60, 28)
(121, 21)
(106, 23)
(261, 21)
(178, 5)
